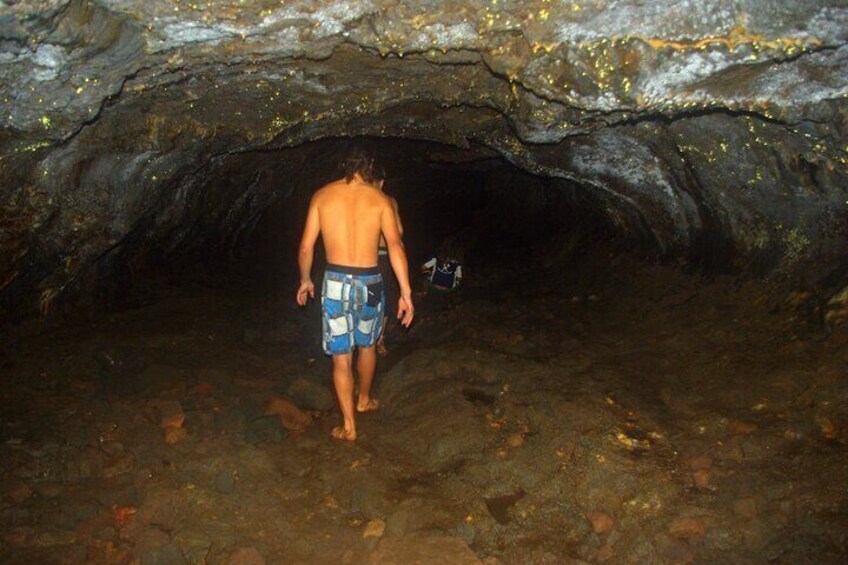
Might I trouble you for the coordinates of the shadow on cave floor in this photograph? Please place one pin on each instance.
(615, 413)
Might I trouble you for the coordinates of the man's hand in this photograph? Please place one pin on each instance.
(405, 310)
(306, 291)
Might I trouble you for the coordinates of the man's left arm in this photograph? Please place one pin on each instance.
(305, 255)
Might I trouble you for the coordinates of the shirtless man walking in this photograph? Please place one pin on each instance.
(351, 214)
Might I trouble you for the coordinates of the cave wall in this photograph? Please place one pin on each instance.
(713, 130)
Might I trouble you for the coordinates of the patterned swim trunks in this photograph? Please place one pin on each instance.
(352, 305)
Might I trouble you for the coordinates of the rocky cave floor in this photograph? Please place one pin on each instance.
(618, 412)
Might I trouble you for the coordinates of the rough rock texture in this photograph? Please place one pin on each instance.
(134, 129)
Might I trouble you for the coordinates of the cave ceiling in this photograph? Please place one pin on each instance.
(691, 113)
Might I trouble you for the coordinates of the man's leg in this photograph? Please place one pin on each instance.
(366, 365)
(343, 381)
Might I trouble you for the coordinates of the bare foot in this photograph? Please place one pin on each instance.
(371, 406)
(341, 433)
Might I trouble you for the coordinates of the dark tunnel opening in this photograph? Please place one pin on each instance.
(503, 217)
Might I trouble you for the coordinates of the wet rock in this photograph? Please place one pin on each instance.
(422, 549)
(374, 529)
(602, 523)
(246, 556)
(515, 440)
(746, 507)
(165, 555)
(698, 462)
(119, 465)
(291, 417)
(263, 430)
(165, 509)
(398, 523)
(673, 550)
(756, 534)
(687, 528)
(90, 463)
(175, 435)
(740, 427)
(701, 478)
(194, 544)
(16, 490)
(311, 394)
(225, 481)
(169, 413)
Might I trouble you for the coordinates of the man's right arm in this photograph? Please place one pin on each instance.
(306, 253)
(397, 257)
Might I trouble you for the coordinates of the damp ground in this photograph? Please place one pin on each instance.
(618, 413)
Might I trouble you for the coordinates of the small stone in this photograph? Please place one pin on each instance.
(602, 523)
(701, 478)
(698, 462)
(120, 465)
(171, 414)
(673, 550)
(746, 507)
(501, 453)
(374, 529)
(246, 556)
(605, 553)
(742, 428)
(18, 491)
(175, 435)
(225, 481)
(687, 528)
(204, 389)
(515, 440)
(164, 555)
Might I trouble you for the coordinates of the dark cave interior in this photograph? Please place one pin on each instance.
(645, 361)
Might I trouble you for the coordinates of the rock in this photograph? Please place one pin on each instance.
(90, 463)
(701, 478)
(742, 428)
(602, 523)
(120, 465)
(687, 528)
(175, 435)
(263, 430)
(225, 481)
(398, 523)
(746, 507)
(246, 556)
(16, 490)
(374, 529)
(291, 417)
(204, 389)
(698, 462)
(165, 555)
(170, 413)
(165, 509)
(515, 440)
(407, 550)
(673, 550)
(310, 394)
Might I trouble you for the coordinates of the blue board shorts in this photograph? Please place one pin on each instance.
(352, 306)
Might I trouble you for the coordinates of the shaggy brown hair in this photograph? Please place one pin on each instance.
(360, 160)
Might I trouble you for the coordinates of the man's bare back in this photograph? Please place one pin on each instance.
(349, 215)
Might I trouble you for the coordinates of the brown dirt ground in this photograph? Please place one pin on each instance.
(624, 414)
